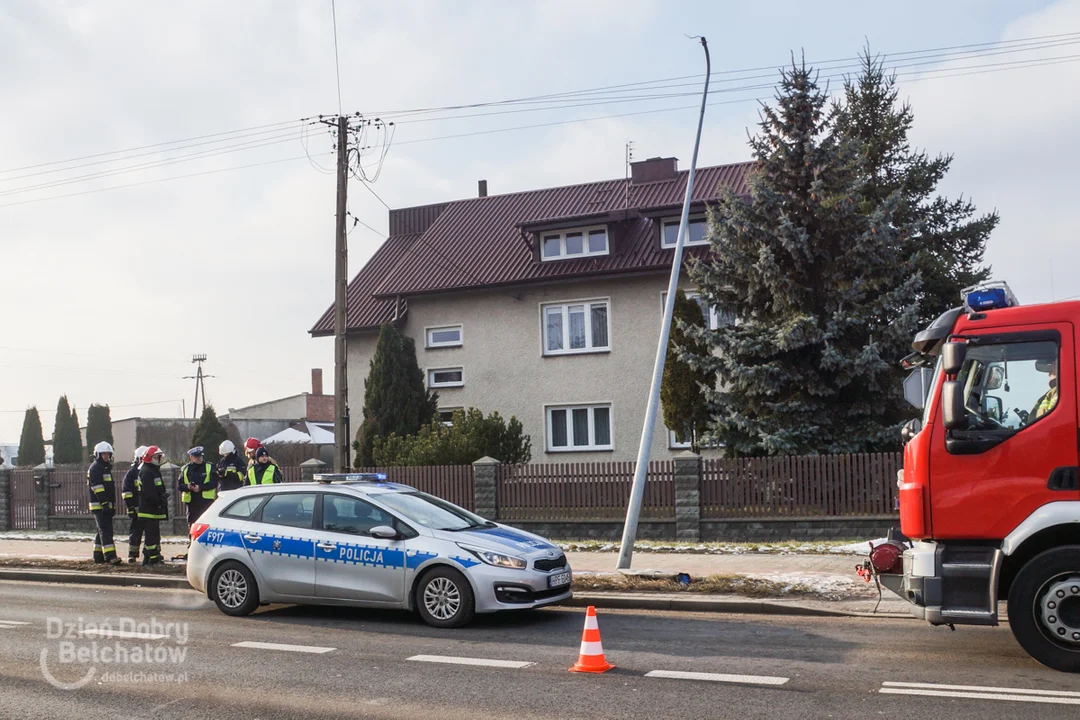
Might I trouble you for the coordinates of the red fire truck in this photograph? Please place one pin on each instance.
(989, 493)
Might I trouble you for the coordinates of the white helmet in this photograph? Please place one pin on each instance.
(102, 447)
(139, 452)
(226, 447)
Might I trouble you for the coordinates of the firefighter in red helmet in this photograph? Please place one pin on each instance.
(153, 503)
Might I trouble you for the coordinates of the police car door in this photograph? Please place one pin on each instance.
(280, 540)
(349, 563)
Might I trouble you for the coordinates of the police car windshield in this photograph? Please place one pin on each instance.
(431, 512)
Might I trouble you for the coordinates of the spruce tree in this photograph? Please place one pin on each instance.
(395, 397)
(686, 410)
(98, 427)
(31, 442)
(210, 433)
(944, 239)
(819, 285)
(67, 440)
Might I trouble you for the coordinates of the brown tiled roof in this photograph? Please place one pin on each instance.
(480, 242)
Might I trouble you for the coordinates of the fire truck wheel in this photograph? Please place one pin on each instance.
(1044, 608)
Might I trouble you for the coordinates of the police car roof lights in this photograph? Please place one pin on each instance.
(991, 295)
(328, 478)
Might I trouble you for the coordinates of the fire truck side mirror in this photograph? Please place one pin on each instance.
(952, 357)
(952, 404)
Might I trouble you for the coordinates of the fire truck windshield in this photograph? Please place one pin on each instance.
(1008, 386)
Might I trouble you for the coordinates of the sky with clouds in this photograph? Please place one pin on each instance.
(108, 292)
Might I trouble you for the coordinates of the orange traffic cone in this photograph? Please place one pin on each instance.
(591, 656)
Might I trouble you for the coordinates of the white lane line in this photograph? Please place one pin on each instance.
(313, 649)
(11, 623)
(102, 632)
(718, 677)
(982, 696)
(980, 688)
(484, 662)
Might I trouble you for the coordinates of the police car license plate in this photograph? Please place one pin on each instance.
(559, 579)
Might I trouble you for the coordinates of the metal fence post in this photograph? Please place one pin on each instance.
(486, 488)
(42, 478)
(310, 468)
(5, 500)
(687, 496)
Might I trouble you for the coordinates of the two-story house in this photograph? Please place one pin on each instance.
(545, 304)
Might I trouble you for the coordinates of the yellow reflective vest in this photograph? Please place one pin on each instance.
(209, 491)
(265, 478)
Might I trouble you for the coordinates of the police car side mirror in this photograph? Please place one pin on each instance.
(384, 532)
(952, 405)
(952, 357)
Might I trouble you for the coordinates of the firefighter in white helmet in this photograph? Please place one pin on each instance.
(102, 503)
(231, 468)
(131, 500)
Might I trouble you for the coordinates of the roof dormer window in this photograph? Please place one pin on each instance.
(697, 231)
(574, 242)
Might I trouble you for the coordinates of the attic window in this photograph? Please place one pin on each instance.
(575, 242)
(697, 231)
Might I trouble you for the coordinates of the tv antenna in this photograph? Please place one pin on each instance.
(198, 377)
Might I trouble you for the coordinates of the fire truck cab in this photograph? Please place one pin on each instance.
(989, 492)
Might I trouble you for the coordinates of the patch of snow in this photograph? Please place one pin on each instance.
(859, 548)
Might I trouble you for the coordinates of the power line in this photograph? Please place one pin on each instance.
(152, 145)
(110, 406)
(337, 62)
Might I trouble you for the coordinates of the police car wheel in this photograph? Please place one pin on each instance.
(445, 598)
(233, 589)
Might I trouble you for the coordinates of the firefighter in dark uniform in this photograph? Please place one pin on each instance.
(153, 503)
(198, 486)
(131, 500)
(102, 503)
(263, 471)
(231, 469)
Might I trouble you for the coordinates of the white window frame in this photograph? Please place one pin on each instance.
(565, 305)
(569, 408)
(664, 222)
(431, 377)
(429, 343)
(714, 315)
(451, 410)
(561, 234)
(673, 441)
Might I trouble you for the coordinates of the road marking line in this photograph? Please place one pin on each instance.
(718, 677)
(979, 688)
(451, 660)
(13, 622)
(102, 632)
(314, 649)
(982, 696)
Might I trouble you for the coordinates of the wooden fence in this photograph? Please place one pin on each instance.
(808, 486)
(583, 491)
(449, 482)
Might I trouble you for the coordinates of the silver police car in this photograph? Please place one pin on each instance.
(357, 540)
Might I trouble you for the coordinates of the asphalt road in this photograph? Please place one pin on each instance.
(356, 663)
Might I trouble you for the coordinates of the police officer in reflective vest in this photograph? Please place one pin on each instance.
(231, 470)
(198, 484)
(102, 503)
(153, 503)
(131, 500)
(263, 471)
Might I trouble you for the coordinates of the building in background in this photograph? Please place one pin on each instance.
(545, 305)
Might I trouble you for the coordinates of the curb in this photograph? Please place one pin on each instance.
(687, 604)
(608, 601)
(86, 578)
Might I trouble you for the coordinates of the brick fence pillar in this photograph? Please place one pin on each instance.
(310, 468)
(177, 522)
(687, 496)
(5, 499)
(42, 478)
(486, 488)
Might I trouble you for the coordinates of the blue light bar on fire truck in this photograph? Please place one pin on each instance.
(991, 295)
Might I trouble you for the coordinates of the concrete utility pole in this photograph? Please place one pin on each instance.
(341, 281)
(637, 493)
(200, 386)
